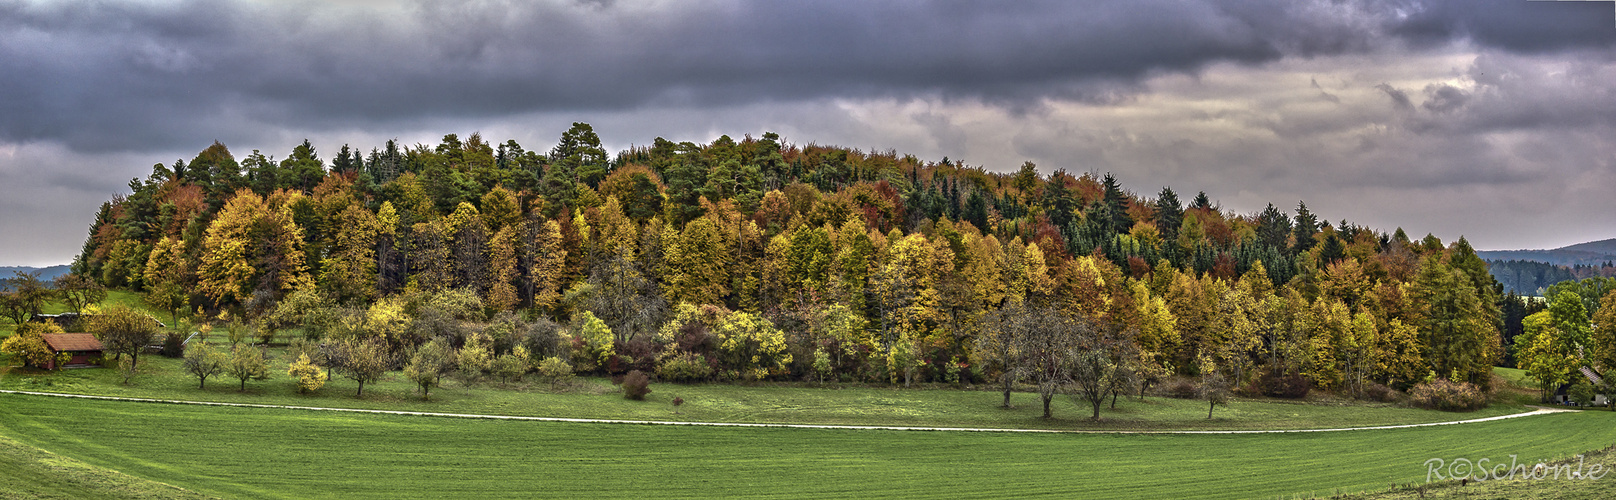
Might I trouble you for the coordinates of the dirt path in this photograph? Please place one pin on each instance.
(1535, 411)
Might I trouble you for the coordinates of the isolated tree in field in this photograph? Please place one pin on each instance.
(203, 361)
(1214, 388)
(365, 361)
(309, 377)
(124, 331)
(429, 364)
(1092, 372)
(1103, 364)
(11, 305)
(79, 291)
(32, 292)
(1051, 342)
(247, 363)
(26, 296)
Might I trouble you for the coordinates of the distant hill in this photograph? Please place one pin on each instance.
(45, 273)
(1607, 247)
(1593, 253)
(1526, 277)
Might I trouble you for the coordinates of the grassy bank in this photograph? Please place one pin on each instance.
(163, 378)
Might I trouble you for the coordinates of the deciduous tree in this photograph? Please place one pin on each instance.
(365, 361)
(429, 364)
(124, 331)
(203, 361)
(247, 363)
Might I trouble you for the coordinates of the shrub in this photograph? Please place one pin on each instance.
(685, 367)
(1381, 393)
(543, 338)
(1183, 389)
(513, 365)
(556, 370)
(1283, 384)
(309, 377)
(30, 348)
(636, 385)
(1441, 394)
(173, 345)
(641, 354)
(1581, 392)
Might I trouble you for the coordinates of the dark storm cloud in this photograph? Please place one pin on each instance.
(1515, 25)
(106, 76)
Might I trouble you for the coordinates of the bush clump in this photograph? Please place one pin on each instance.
(173, 345)
(685, 367)
(1441, 394)
(636, 385)
(556, 370)
(1381, 393)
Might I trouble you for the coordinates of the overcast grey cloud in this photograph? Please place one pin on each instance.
(1419, 114)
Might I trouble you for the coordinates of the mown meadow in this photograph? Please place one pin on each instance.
(270, 453)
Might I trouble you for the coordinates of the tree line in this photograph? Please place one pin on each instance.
(760, 259)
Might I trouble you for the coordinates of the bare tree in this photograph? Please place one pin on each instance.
(1048, 347)
(1102, 366)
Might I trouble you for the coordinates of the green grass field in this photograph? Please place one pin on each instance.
(129, 298)
(163, 378)
(268, 453)
(1598, 486)
(32, 473)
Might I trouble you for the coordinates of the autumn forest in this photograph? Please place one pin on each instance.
(758, 259)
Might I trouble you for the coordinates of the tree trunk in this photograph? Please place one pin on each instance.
(1097, 403)
(203, 385)
(1046, 405)
(361, 392)
(243, 386)
(1114, 399)
(1006, 395)
(1209, 408)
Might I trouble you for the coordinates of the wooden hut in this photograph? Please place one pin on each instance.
(82, 349)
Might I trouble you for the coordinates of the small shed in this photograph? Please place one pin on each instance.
(82, 349)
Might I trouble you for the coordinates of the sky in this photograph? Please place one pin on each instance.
(1489, 119)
